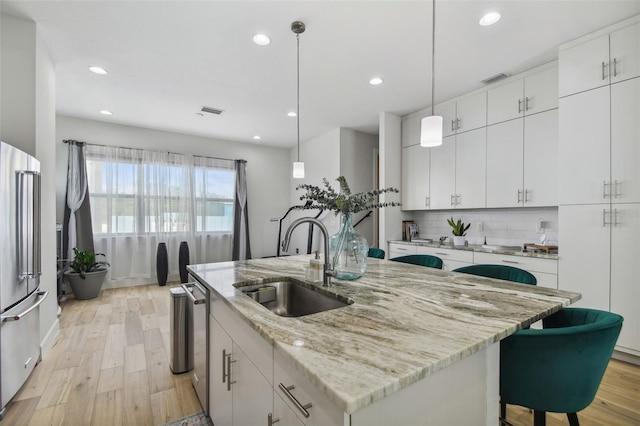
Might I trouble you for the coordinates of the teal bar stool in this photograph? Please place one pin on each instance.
(501, 272)
(376, 252)
(558, 368)
(420, 259)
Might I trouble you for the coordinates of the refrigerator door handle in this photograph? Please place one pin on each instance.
(29, 264)
(17, 317)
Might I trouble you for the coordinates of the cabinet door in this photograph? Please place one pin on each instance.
(505, 102)
(584, 66)
(583, 153)
(220, 398)
(625, 286)
(443, 174)
(541, 159)
(471, 162)
(471, 112)
(252, 394)
(415, 178)
(283, 414)
(541, 91)
(625, 141)
(625, 53)
(504, 164)
(448, 112)
(583, 265)
(411, 131)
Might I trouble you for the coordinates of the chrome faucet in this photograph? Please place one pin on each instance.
(328, 270)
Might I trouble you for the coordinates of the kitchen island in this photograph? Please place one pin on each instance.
(416, 346)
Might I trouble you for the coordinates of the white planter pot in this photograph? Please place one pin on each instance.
(459, 241)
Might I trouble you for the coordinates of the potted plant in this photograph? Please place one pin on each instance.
(459, 230)
(86, 274)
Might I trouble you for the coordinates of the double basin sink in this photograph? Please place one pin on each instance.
(289, 297)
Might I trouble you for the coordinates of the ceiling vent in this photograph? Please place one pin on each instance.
(495, 78)
(210, 110)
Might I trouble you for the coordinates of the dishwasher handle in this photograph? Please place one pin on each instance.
(186, 288)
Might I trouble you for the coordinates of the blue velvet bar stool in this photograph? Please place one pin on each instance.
(376, 253)
(420, 259)
(557, 368)
(501, 272)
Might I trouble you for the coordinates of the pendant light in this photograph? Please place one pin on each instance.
(431, 127)
(298, 28)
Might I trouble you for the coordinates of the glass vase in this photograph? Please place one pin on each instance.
(348, 251)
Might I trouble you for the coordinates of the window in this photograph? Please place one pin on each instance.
(147, 192)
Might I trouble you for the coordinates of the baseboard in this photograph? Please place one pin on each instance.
(626, 357)
(49, 338)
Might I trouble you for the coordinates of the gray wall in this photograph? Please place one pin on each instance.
(268, 168)
(28, 122)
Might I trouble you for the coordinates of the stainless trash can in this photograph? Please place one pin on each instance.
(181, 331)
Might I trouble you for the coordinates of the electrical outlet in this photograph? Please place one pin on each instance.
(480, 226)
(540, 227)
(297, 250)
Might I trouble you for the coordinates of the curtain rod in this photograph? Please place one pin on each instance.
(72, 141)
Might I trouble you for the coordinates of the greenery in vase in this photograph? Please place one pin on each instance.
(85, 261)
(343, 202)
(458, 228)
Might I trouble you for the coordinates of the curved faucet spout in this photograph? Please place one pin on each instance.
(328, 271)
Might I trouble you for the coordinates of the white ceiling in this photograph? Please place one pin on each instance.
(166, 59)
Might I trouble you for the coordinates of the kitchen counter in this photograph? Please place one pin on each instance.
(479, 248)
(406, 322)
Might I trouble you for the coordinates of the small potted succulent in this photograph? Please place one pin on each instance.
(459, 230)
(86, 274)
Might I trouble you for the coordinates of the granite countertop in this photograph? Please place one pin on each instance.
(406, 322)
(479, 248)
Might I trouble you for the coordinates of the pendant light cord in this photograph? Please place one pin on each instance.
(298, 90)
(433, 58)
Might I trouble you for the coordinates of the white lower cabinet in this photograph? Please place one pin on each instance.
(252, 394)
(451, 258)
(220, 398)
(399, 249)
(545, 270)
(282, 414)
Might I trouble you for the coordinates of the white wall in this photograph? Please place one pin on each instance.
(268, 168)
(28, 122)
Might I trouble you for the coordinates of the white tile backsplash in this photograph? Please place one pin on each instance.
(500, 226)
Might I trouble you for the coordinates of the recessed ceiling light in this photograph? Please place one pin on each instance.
(292, 114)
(256, 137)
(98, 70)
(261, 39)
(489, 19)
(106, 112)
(375, 81)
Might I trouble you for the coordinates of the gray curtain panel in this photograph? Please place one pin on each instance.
(241, 247)
(77, 229)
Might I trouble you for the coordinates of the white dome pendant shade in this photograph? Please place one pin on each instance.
(298, 170)
(431, 131)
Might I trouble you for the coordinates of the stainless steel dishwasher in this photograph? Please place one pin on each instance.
(199, 305)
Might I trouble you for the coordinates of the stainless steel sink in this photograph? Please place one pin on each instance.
(289, 297)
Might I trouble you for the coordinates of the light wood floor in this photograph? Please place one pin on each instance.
(109, 366)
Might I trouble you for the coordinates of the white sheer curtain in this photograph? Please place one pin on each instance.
(142, 197)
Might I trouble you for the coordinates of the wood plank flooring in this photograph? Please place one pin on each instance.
(109, 365)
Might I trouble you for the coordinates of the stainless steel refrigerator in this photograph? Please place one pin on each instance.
(20, 295)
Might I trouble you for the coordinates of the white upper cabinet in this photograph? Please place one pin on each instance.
(541, 159)
(524, 96)
(411, 131)
(603, 60)
(415, 178)
(625, 54)
(464, 114)
(443, 174)
(471, 166)
(625, 141)
(505, 164)
(584, 149)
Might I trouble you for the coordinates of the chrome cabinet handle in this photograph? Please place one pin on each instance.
(224, 368)
(452, 125)
(458, 126)
(526, 103)
(605, 194)
(426, 201)
(511, 261)
(458, 199)
(442, 254)
(616, 192)
(604, 218)
(271, 420)
(603, 66)
(615, 217)
(401, 249)
(452, 202)
(229, 382)
(615, 67)
(287, 391)
(526, 195)
(195, 301)
(17, 317)
(519, 106)
(519, 197)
